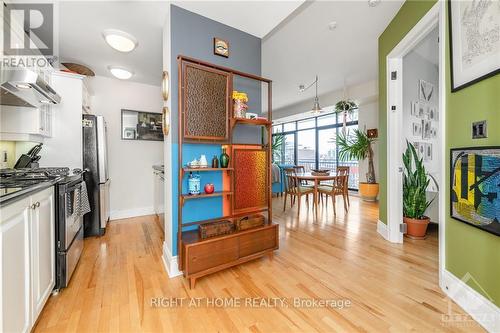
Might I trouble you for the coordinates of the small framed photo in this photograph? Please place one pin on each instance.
(426, 129)
(414, 108)
(433, 113)
(422, 110)
(428, 152)
(417, 129)
(221, 47)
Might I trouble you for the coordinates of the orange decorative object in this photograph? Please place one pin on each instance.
(249, 179)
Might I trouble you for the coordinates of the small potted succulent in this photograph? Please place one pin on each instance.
(415, 203)
(358, 146)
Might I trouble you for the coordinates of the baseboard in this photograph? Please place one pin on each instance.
(170, 262)
(382, 229)
(126, 213)
(479, 307)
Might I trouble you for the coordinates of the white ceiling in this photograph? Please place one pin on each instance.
(257, 18)
(81, 25)
(82, 22)
(303, 46)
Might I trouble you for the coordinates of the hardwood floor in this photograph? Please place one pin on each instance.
(391, 287)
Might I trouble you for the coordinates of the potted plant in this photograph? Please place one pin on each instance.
(358, 146)
(415, 203)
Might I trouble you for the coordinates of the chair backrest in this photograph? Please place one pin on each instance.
(299, 169)
(290, 180)
(340, 184)
(344, 171)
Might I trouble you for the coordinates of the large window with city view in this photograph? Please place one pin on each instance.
(312, 143)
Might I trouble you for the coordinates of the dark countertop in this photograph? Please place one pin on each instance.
(8, 198)
(160, 168)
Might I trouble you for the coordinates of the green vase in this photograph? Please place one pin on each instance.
(224, 159)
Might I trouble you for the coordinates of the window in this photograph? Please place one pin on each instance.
(277, 128)
(312, 143)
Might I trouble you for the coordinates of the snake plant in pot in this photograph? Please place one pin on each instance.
(415, 183)
(358, 146)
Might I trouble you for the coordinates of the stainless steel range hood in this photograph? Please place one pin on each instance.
(23, 87)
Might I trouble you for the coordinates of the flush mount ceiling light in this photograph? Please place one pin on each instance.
(316, 108)
(332, 25)
(120, 72)
(373, 3)
(120, 40)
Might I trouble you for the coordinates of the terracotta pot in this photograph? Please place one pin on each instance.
(416, 227)
(368, 191)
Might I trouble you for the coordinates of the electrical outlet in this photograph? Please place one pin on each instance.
(479, 130)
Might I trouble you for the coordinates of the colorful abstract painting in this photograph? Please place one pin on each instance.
(475, 187)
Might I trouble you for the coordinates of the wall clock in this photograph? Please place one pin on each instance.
(164, 85)
(166, 120)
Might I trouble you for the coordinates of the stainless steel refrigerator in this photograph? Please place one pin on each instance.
(95, 162)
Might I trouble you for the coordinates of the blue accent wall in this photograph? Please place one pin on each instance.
(192, 35)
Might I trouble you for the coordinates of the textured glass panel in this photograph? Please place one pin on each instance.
(206, 104)
(249, 179)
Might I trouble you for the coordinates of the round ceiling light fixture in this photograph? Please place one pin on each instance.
(373, 3)
(332, 25)
(120, 40)
(120, 72)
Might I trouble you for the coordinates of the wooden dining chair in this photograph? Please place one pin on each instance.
(344, 171)
(302, 169)
(337, 189)
(294, 189)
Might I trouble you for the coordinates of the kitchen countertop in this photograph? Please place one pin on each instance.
(160, 168)
(8, 198)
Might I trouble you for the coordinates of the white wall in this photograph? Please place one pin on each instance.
(130, 162)
(368, 118)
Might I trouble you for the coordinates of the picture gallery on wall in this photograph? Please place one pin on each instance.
(424, 117)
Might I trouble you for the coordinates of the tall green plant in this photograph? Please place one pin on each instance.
(357, 146)
(415, 183)
(276, 147)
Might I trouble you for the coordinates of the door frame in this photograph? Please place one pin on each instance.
(435, 17)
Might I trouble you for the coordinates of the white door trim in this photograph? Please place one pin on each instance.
(435, 17)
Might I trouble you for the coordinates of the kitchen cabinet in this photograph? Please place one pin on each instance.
(17, 124)
(27, 258)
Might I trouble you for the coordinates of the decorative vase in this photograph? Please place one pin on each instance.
(194, 182)
(215, 162)
(224, 159)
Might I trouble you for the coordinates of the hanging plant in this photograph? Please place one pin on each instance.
(347, 106)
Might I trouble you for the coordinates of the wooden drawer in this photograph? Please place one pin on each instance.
(211, 254)
(260, 240)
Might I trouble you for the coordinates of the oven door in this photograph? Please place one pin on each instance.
(73, 220)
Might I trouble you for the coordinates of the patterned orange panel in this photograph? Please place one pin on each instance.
(250, 183)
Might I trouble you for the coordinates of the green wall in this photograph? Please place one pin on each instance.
(468, 250)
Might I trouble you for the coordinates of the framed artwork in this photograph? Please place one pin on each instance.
(414, 108)
(221, 47)
(372, 133)
(138, 125)
(421, 110)
(475, 187)
(474, 41)
(426, 129)
(417, 129)
(433, 113)
(428, 152)
(425, 90)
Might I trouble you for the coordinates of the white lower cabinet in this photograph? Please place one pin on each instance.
(27, 257)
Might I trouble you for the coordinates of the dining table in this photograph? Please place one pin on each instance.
(316, 179)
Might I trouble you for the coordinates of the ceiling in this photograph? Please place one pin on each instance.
(81, 25)
(257, 18)
(80, 36)
(304, 46)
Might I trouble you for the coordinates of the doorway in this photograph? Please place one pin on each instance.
(416, 112)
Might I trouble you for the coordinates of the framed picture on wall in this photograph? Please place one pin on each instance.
(474, 41)
(221, 47)
(475, 190)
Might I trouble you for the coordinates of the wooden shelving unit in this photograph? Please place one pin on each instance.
(199, 257)
(205, 195)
